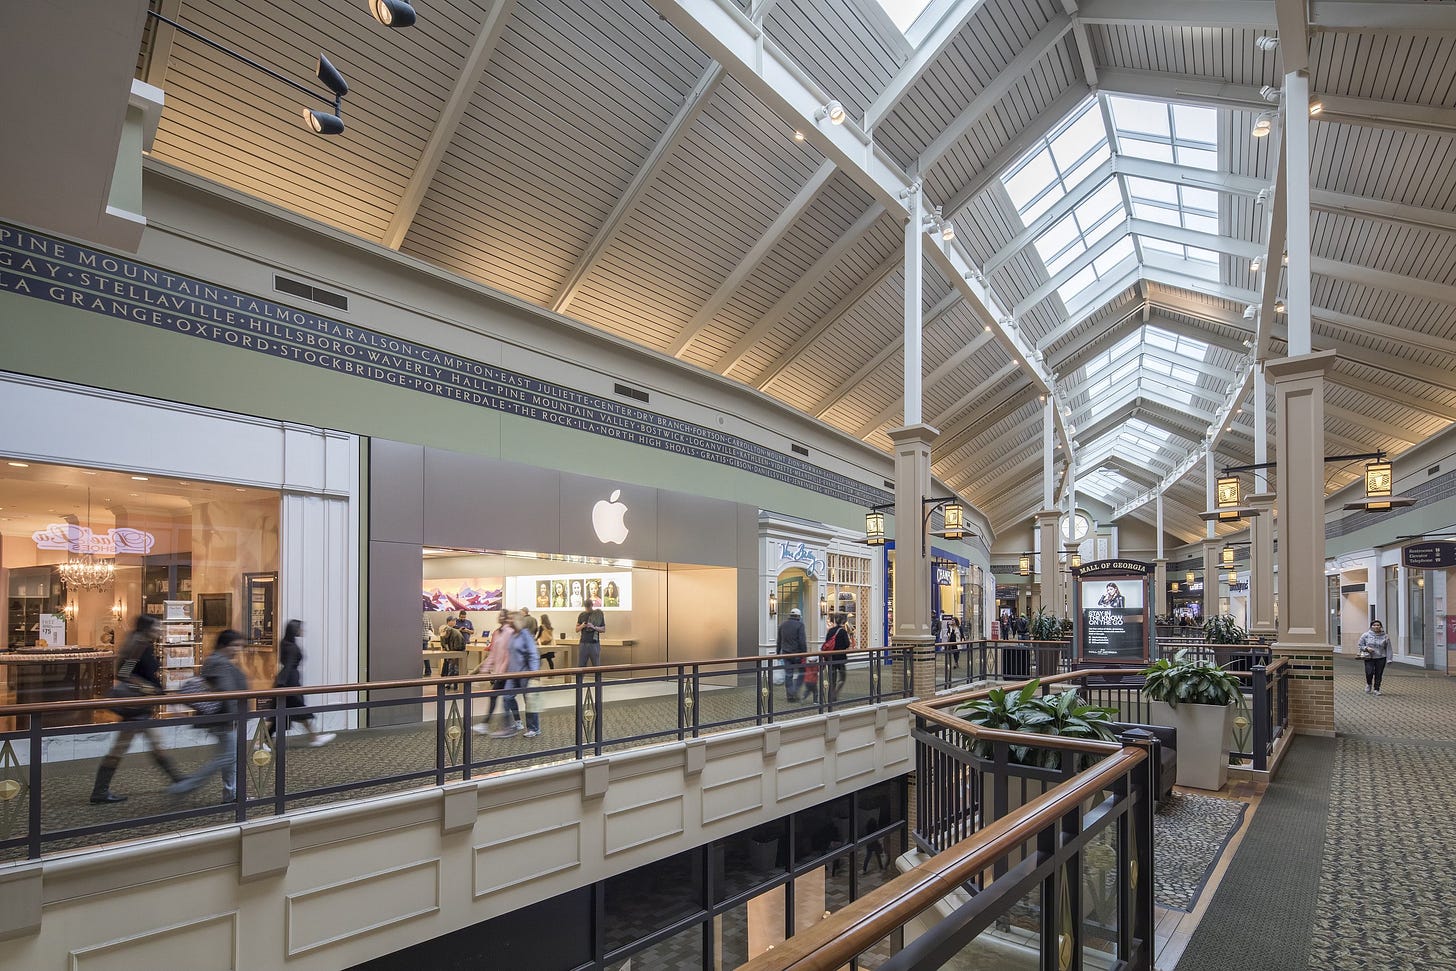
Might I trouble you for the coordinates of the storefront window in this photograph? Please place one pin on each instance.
(1390, 604)
(192, 554)
(848, 592)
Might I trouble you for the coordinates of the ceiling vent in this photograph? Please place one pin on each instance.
(632, 393)
(297, 288)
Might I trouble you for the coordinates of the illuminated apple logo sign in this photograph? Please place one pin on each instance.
(609, 519)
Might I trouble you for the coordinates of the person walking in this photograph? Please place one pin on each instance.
(589, 626)
(524, 659)
(792, 640)
(221, 674)
(1374, 649)
(137, 673)
(497, 661)
(546, 641)
(835, 669)
(290, 656)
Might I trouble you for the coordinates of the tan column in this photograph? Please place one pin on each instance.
(912, 565)
(1211, 577)
(1160, 587)
(1303, 623)
(1051, 574)
(1261, 567)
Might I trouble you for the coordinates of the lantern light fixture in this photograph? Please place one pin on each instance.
(1023, 565)
(1380, 488)
(1233, 576)
(773, 602)
(1189, 577)
(1227, 556)
(1173, 586)
(1075, 560)
(875, 527)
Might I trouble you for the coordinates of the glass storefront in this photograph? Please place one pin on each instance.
(653, 611)
(1416, 613)
(84, 551)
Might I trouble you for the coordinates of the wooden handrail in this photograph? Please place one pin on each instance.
(91, 704)
(862, 924)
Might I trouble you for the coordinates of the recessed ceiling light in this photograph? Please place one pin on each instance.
(239, 490)
(139, 478)
(87, 472)
(798, 136)
(132, 494)
(19, 465)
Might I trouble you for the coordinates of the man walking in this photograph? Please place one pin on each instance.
(793, 641)
(589, 626)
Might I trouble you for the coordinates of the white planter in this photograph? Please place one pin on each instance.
(1203, 734)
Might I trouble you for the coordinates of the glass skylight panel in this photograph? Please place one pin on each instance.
(1152, 190)
(1142, 117)
(1141, 148)
(1078, 140)
(1058, 163)
(1116, 253)
(1200, 223)
(1080, 281)
(904, 12)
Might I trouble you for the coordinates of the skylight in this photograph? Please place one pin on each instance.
(1058, 162)
(1165, 132)
(904, 12)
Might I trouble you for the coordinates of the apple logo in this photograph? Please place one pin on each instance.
(609, 519)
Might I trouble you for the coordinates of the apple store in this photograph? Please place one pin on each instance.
(675, 573)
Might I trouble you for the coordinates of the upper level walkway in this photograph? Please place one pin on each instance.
(1348, 862)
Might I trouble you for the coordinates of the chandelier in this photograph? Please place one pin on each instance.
(84, 571)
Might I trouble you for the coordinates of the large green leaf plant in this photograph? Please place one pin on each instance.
(1223, 629)
(1181, 681)
(1027, 710)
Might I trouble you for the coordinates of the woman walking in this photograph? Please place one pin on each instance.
(1374, 650)
(221, 674)
(290, 656)
(496, 661)
(525, 657)
(137, 673)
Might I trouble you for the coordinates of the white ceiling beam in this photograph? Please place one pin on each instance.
(1384, 428)
(1224, 14)
(1293, 19)
(1190, 237)
(987, 479)
(871, 280)
(896, 346)
(1401, 16)
(1399, 115)
(989, 96)
(1172, 299)
(1168, 277)
(664, 149)
(750, 260)
(1084, 43)
(922, 59)
(970, 426)
(1414, 402)
(1393, 364)
(1090, 308)
(1059, 210)
(1378, 210)
(975, 394)
(730, 37)
(1187, 175)
(1393, 332)
(467, 82)
(1129, 311)
(1033, 132)
(1384, 280)
(1062, 276)
(805, 284)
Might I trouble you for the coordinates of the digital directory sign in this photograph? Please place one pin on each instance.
(1111, 604)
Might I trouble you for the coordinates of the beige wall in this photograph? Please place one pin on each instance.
(334, 887)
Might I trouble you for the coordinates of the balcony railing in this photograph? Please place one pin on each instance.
(399, 735)
(1061, 881)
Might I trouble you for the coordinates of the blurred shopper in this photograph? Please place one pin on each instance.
(524, 658)
(837, 643)
(792, 640)
(221, 674)
(496, 661)
(290, 656)
(546, 641)
(137, 674)
(1374, 649)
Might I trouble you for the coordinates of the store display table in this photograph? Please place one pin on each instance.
(37, 675)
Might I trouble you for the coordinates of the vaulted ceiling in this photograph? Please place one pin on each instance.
(1096, 158)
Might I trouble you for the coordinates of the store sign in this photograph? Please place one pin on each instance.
(609, 519)
(1436, 555)
(800, 555)
(1112, 611)
(80, 539)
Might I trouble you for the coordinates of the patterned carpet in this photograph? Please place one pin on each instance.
(1346, 866)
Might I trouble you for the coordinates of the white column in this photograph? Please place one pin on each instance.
(1303, 619)
(1048, 452)
(1296, 158)
(914, 244)
(1211, 577)
(1210, 482)
(1261, 428)
(1160, 569)
(319, 586)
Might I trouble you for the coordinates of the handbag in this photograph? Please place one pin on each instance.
(127, 686)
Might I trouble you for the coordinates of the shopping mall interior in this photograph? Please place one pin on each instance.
(704, 484)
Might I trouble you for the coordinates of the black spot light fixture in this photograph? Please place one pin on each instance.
(392, 13)
(319, 122)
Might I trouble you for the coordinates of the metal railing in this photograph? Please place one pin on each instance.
(971, 662)
(406, 734)
(1063, 880)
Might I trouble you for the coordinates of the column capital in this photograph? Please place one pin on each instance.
(1305, 365)
(920, 434)
(1161, 561)
(1048, 515)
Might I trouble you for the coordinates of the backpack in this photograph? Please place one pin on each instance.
(197, 685)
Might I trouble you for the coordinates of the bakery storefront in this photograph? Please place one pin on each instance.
(83, 552)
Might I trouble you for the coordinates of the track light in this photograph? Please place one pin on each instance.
(1316, 107)
(947, 231)
(832, 110)
(1279, 306)
(1266, 43)
(1249, 312)
(1269, 93)
(392, 13)
(1263, 124)
(331, 78)
(1256, 264)
(1284, 259)
(322, 123)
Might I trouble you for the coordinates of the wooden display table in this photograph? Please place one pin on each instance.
(37, 675)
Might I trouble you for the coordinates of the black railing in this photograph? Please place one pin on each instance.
(966, 663)
(1063, 880)
(402, 734)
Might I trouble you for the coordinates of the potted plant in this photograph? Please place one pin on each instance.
(1028, 710)
(1197, 698)
(1223, 629)
(1044, 626)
